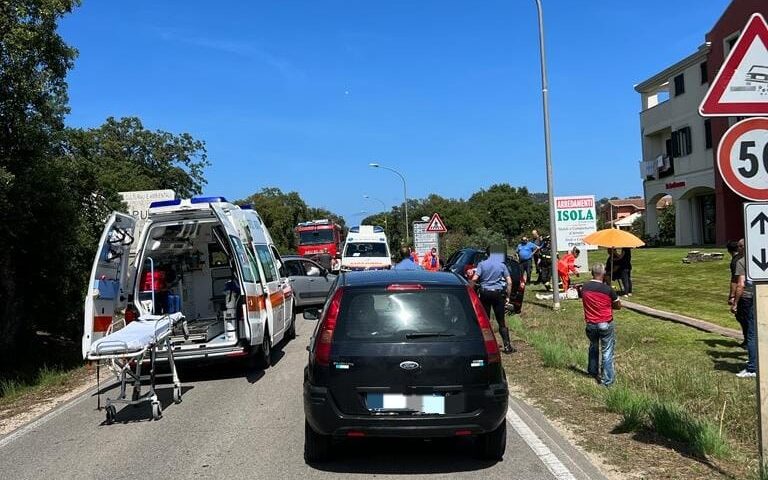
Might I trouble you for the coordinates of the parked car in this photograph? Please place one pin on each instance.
(403, 354)
(310, 280)
(465, 260)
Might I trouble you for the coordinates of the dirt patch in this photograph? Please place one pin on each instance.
(39, 401)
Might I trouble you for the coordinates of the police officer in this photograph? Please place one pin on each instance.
(495, 290)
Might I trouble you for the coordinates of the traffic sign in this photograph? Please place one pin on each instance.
(424, 241)
(741, 85)
(756, 240)
(742, 158)
(436, 225)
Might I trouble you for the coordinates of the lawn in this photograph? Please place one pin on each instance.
(677, 410)
(699, 290)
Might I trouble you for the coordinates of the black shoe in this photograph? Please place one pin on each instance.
(508, 349)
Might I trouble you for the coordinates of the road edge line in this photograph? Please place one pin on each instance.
(540, 449)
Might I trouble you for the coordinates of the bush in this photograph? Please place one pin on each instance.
(632, 406)
(672, 421)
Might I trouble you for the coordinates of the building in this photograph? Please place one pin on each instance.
(678, 158)
(622, 209)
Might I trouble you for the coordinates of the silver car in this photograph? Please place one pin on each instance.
(311, 281)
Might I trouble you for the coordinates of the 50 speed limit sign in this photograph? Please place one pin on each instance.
(742, 158)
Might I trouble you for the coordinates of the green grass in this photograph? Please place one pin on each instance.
(12, 389)
(671, 379)
(699, 290)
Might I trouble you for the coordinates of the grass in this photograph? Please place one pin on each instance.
(675, 389)
(12, 390)
(698, 290)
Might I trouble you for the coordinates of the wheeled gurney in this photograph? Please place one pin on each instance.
(126, 349)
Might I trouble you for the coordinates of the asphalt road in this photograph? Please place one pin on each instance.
(236, 423)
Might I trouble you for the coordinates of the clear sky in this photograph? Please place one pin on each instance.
(302, 95)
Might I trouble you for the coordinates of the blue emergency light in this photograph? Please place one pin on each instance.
(208, 200)
(165, 203)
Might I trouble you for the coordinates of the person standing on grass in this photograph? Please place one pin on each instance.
(526, 249)
(494, 278)
(733, 249)
(600, 300)
(536, 239)
(743, 306)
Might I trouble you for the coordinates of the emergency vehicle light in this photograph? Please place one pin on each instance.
(165, 203)
(246, 207)
(208, 199)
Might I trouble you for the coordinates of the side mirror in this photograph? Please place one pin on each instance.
(311, 314)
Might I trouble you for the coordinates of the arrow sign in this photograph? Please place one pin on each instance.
(762, 219)
(756, 240)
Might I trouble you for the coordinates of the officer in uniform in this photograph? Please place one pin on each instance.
(495, 283)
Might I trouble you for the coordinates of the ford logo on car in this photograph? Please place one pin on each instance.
(409, 365)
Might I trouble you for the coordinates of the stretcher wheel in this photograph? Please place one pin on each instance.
(157, 411)
(111, 412)
(135, 395)
(176, 394)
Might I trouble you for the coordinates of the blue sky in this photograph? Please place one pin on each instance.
(302, 95)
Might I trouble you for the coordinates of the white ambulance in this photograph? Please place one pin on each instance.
(366, 248)
(209, 259)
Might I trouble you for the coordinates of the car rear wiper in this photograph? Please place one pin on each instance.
(428, 334)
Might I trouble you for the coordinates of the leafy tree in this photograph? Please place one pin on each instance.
(638, 227)
(508, 210)
(666, 218)
(281, 213)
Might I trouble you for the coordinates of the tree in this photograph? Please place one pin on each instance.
(508, 210)
(666, 219)
(281, 213)
(39, 216)
(125, 156)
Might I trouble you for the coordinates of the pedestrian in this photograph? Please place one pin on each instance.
(405, 260)
(536, 239)
(626, 271)
(600, 300)
(743, 307)
(495, 291)
(566, 266)
(431, 262)
(733, 248)
(525, 252)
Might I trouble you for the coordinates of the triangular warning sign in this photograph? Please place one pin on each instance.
(436, 225)
(741, 85)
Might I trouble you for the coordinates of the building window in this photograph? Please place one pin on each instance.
(704, 73)
(730, 42)
(679, 85)
(708, 133)
(681, 142)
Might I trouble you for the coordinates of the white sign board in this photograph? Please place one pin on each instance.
(756, 240)
(138, 204)
(424, 241)
(575, 218)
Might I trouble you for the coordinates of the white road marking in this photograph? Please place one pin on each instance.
(18, 433)
(546, 456)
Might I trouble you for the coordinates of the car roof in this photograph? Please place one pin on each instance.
(293, 257)
(375, 278)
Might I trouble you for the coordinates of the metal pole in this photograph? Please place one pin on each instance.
(405, 197)
(384, 206)
(548, 153)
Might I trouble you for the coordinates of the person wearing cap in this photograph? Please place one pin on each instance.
(495, 283)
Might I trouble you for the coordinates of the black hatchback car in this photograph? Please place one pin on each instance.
(403, 354)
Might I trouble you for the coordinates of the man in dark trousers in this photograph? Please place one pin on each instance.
(743, 306)
(495, 283)
(600, 300)
(733, 249)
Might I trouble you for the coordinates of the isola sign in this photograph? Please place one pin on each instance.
(575, 219)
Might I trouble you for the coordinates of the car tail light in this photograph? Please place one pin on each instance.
(322, 350)
(462, 433)
(404, 287)
(355, 434)
(489, 339)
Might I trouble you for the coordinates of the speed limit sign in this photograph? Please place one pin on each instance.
(742, 158)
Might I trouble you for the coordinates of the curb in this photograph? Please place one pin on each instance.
(682, 319)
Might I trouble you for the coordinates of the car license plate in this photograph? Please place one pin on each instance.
(383, 402)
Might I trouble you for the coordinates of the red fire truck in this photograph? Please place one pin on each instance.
(320, 240)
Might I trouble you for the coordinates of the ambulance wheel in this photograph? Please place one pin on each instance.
(157, 411)
(176, 394)
(292, 329)
(264, 353)
(111, 412)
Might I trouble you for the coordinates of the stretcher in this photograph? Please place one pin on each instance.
(125, 351)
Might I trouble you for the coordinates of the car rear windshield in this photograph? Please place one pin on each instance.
(366, 249)
(433, 314)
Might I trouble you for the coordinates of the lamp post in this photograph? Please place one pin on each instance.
(405, 196)
(383, 206)
(548, 154)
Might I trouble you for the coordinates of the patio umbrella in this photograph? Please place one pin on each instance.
(613, 238)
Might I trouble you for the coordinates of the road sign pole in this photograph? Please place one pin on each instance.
(761, 320)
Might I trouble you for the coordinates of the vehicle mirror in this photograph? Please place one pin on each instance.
(311, 314)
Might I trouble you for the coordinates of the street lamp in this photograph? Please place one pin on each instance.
(405, 196)
(548, 154)
(383, 206)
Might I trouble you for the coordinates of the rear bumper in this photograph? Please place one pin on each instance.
(324, 417)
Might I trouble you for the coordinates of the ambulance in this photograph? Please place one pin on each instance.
(205, 257)
(366, 248)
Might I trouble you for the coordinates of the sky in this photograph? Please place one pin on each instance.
(303, 95)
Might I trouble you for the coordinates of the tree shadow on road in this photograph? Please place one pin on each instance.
(383, 456)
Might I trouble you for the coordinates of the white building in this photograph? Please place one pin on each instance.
(677, 149)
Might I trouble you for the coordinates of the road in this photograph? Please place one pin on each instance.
(239, 423)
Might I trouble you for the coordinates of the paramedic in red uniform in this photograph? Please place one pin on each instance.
(566, 266)
(600, 300)
(431, 263)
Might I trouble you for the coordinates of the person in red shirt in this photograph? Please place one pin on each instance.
(431, 262)
(600, 300)
(566, 266)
